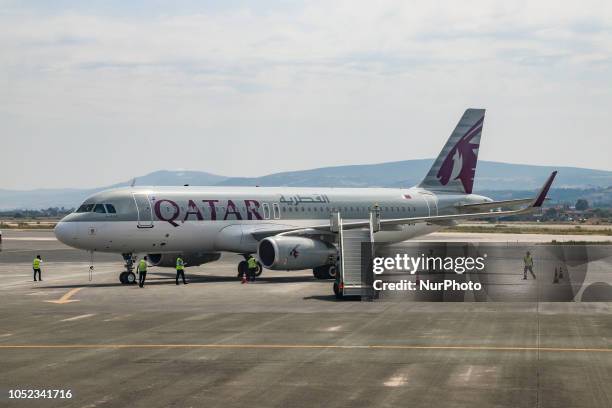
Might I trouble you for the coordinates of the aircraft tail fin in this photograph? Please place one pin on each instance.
(455, 167)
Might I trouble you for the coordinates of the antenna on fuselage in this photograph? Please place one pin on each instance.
(133, 182)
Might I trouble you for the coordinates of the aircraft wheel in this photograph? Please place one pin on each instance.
(242, 268)
(259, 269)
(320, 272)
(130, 278)
(332, 271)
(122, 277)
(337, 291)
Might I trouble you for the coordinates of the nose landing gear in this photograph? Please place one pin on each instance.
(128, 277)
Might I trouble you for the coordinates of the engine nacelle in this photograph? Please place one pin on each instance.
(190, 258)
(294, 253)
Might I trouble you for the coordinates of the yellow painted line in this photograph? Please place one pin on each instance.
(298, 346)
(66, 297)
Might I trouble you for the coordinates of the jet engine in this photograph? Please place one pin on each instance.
(294, 253)
(190, 258)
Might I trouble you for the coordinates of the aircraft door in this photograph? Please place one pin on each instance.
(144, 210)
(276, 211)
(432, 204)
(266, 211)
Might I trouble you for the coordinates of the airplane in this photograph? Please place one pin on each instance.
(287, 228)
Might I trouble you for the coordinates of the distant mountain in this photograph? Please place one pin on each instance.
(489, 176)
(494, 178)
(175, 178)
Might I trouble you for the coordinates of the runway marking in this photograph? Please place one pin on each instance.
(70, 319)
(296, 346)
(395, 381)
(30, 239)
(66, 297)
(120, 317)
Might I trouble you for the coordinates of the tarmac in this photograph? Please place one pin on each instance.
(282, 341)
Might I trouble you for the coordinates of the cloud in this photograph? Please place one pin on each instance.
(305, 73)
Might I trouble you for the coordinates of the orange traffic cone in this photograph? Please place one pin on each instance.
(244, 278)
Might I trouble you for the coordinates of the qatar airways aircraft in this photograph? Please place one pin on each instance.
(288, 228)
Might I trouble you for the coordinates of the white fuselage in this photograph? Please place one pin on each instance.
(215, 219)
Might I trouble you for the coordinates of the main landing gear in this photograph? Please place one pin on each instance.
(243, 267)
(128, 277)
(325, 272)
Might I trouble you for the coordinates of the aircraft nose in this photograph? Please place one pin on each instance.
(64, 232)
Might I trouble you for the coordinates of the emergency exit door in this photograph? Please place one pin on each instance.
(144, 210)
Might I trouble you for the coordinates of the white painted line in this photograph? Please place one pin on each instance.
(6, 335)
(395, 381)
(120, 317)
(333, 328)
(70, 319)
(45, 293)
(29, 239)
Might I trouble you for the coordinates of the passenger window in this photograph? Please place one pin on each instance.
(110, 209)
(99, 208)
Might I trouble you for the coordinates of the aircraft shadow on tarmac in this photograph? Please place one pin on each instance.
(333, 298)
(153, 279)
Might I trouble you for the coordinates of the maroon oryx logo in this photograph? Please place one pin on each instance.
(460, 162)
(294, 252)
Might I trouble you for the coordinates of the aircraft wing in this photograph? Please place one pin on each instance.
(491, 205)
(534, 204)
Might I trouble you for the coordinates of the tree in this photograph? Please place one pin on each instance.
(582, 204)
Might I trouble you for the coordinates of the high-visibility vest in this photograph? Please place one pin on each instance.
(36, 263)
(528, 260)
(252, 263)
(142, 265)
(180, 265)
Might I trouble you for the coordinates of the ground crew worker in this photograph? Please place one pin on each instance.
(142, 271)
(36, 267)
(252, 264)
(528, 262)
(180, 269)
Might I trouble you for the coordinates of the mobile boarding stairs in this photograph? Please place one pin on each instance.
(355, 250)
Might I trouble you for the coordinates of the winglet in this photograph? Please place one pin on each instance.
(537, 202)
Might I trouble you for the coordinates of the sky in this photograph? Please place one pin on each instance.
(93, 93)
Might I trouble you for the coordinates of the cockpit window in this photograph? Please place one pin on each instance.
(110, 209)
(99, 208)
(85, 208)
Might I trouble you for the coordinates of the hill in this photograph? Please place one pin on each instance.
(493, 178)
